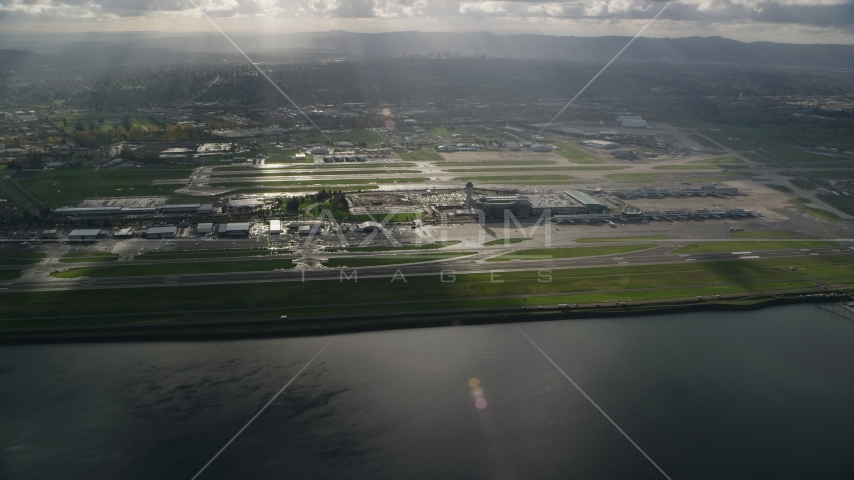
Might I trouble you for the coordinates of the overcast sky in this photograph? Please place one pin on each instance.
(801, 21)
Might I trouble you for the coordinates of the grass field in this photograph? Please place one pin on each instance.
(719, 161)
(9, 274)
(635, 177)
(620, 239)
(89, 257)
(779, 188)
(574, 154)
(390, 248)
(19, 258)
(421, 156)
(836, 202)
(505, 241)
(357, 262)
(304, 173)
(687, 167)
(71, 185)
(819, 213)
(356, 136)
(307, 183)
(511, 178)
(515, 289)
(188, 254)
(766, 233)
(573, 252)
(704, 141)
(497, 163)
(802, 184)
(174, 269)
(750, 246)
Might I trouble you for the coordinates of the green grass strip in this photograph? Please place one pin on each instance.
(739, 246)
(174, 269)
(573, 252)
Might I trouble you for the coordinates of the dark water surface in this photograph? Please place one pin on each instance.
(765, 394)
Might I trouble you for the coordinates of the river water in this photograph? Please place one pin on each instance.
(763, 394)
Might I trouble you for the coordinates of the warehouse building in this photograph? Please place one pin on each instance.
(310, 223)
(370, 227)
(49, 233)
(275, 227)
(631, 121)
(84, 235)
(538, 147)
(590, 203)
(161, 232)
(235, 230)
(203, 229)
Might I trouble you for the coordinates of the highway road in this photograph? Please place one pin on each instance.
(463, 265)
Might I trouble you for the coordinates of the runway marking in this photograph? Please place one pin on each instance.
(813, 254)
(805, 249)
(591, 401)
(264, 408)
(690, 259)
(622, 262)
(750, 256)
(741, 253)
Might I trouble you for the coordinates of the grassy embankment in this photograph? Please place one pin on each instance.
(752, 246)
(572, 252)
(130, 270)
(509, 289)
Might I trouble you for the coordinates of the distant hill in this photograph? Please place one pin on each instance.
(18, 59)
(153, 47)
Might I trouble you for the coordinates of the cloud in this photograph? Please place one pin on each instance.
(836, 15)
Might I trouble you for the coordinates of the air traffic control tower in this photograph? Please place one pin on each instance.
(469, 187)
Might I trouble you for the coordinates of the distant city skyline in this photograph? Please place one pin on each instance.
(785, 21)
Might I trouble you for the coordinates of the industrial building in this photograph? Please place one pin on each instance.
(203, 229)
(591, 203)
(48, 233)
(84, 235)
(310, 223)
(600, 144)
(244, 204)
(631, 121)
(161, 232)
(538, 147)
(124, 233)
(275, 227)
(512, 146)
(235, 230)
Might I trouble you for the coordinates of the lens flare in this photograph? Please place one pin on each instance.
(474, 383)
(386, 112)
(480, 403)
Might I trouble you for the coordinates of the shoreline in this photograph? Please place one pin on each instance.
(218, 329)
